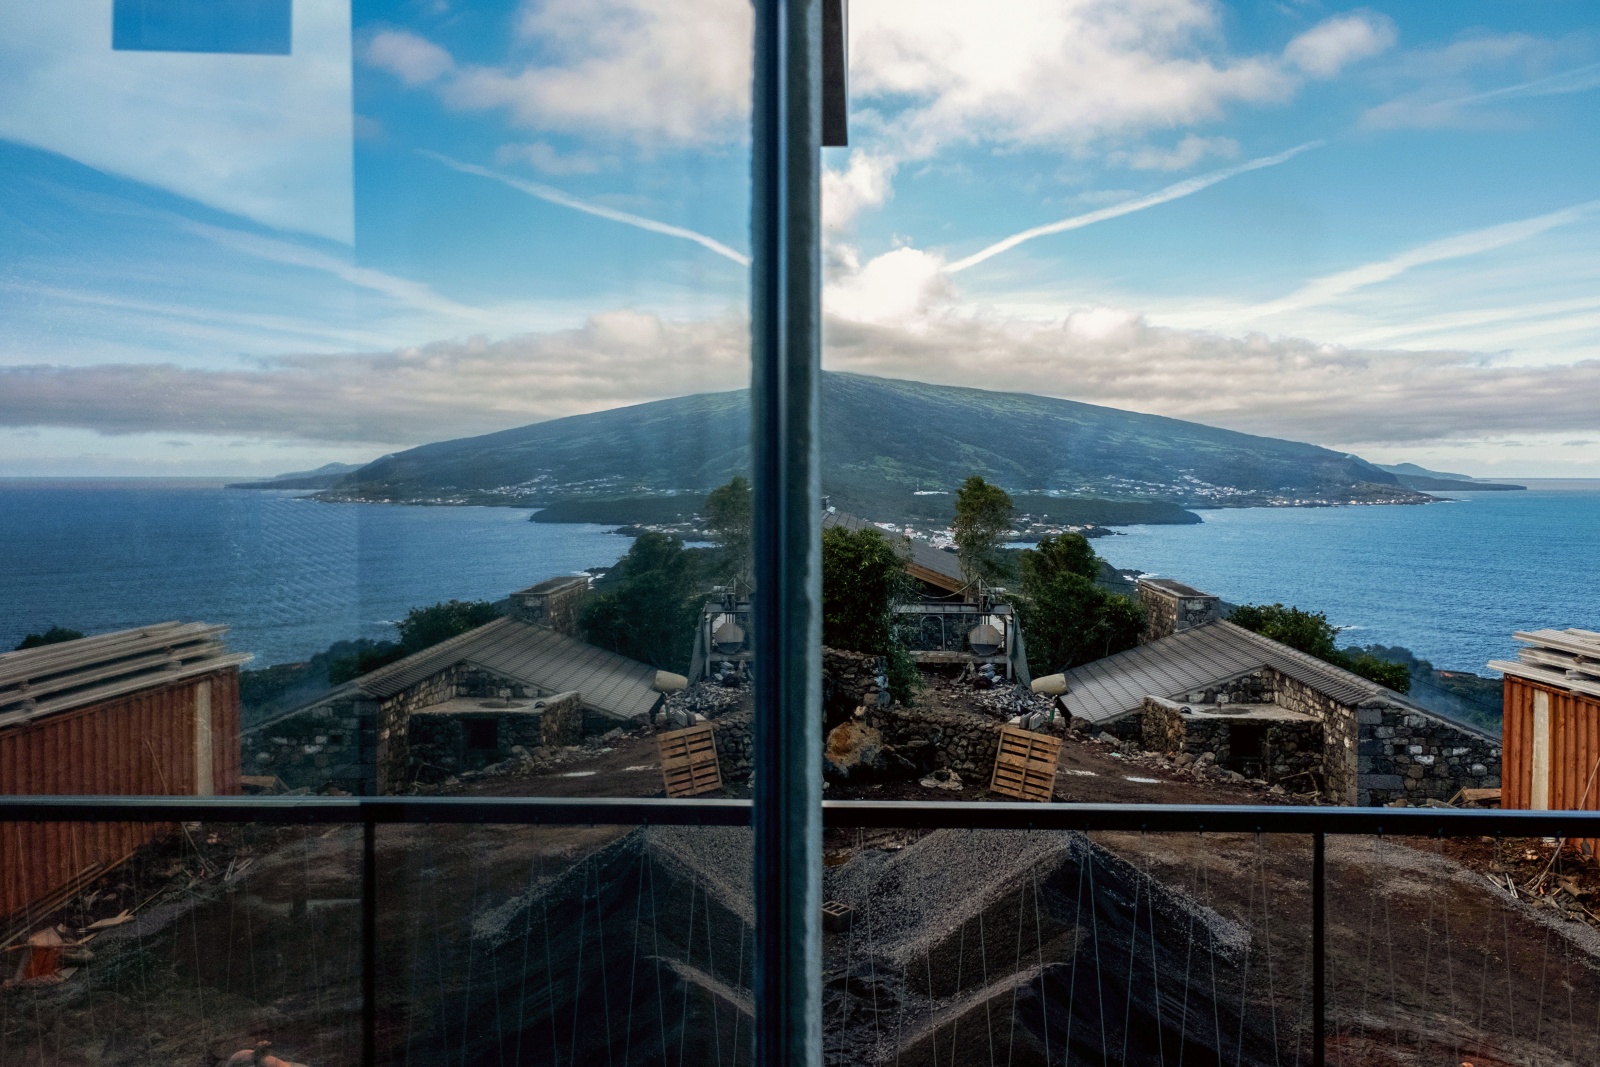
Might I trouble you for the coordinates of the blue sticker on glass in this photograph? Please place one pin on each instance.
(252, 27)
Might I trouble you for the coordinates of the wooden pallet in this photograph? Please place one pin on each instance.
(689, 764)
(1025, 765)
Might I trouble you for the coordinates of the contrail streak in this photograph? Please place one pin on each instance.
(556, 196)
(1127, 207)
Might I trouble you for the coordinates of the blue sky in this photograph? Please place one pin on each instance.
(1376, 228)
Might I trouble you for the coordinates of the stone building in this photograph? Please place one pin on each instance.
(1201, 684)
(459, 705)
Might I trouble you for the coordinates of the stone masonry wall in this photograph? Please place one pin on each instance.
(1161, 725)
(1340, 732)
(330, 744)
(438, 743)
(1289, 748)
(1408, 755)
(735, 745)
(394, 727)
(1166, 613)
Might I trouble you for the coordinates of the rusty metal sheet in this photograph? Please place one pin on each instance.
(140, 744)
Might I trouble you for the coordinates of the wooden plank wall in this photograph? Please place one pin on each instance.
(139, 745)
(1574, 749)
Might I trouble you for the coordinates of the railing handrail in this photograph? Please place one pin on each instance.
(628, 811)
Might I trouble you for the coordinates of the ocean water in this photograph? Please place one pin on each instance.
(289, 574)
(1451, 581)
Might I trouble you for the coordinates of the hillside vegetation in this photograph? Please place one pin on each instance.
(889, 447)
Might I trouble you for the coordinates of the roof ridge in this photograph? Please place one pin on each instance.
(448, 646)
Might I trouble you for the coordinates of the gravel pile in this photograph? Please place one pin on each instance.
(919, 895)
(710, 699)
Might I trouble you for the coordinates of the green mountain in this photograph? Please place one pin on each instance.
(892, 449)
(324, 476)
(1414, 477)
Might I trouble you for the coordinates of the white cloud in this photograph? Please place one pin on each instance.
(1445, 86)
(1181, 156)
(413, 59)
(1285, 387)
(1176, 191)
(656, 72)
(1335, 43)
(549, 159)
(1068, 73)
(866, 181)
(265, 137)
(556, 196)
(899, 286)
(408, 396)
(1330, 287)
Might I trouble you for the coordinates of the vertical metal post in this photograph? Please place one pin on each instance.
(369, 941)
(1319, 949)
(785, 295)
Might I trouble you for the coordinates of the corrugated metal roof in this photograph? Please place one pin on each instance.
(1194, 659)
(42, 681)
(536, 655)
(922, 554)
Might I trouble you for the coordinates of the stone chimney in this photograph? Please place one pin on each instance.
(1172, 607)
(553, 603)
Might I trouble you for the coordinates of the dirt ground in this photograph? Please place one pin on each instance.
(250, 933)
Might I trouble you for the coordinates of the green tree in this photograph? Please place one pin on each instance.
(863, 580)
(53, 636)
(1312, 633)
(648, 609)
(425, 627)
(1308, 631)
(728, 513)
(1067, 618)
(983, 518)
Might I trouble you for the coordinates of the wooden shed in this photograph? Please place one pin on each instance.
(1551, 739)
(150, 711)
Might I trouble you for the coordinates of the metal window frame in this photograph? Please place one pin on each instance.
(786, 326)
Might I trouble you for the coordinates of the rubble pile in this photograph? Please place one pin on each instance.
(1204, 767)
(704, 701)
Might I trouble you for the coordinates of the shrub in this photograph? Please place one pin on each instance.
(648, 609)
(1068, 619)
(53, 636)
(863, 580)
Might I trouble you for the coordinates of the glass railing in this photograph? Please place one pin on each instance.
(562, 931)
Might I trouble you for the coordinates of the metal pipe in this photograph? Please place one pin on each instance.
(785, 315)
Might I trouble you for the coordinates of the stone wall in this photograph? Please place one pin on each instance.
(330, 744)
(394, 727)
(735, 745)
(562, 721)
(1167, 612)
(850, 680)
(1408, 755)
(1383, 751)
(1288, 748)
(930, 739)
(1256, 687)
(442, 745)
(1161, 726)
